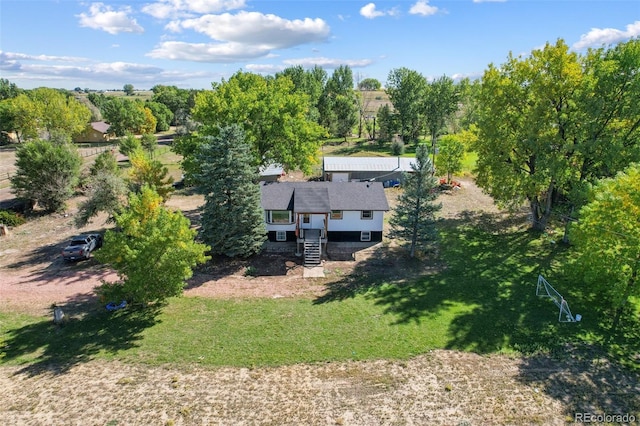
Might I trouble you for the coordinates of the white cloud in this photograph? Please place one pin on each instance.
(240, 37)
(265, 68)
(10, 56)
(254, 28)
(166, 9)
(45, 69)
(104, 18)
(327, 62)
(207, 52)
(471, 76)
(423, 8)
(602, 36)
(369, 11)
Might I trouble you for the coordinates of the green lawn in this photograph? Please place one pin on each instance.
(482, 299)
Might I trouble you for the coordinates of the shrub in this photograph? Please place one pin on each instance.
(397, 147)
(10, 218)
(129, 144)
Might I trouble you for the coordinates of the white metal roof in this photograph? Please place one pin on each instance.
(271, 170)
(368, 164)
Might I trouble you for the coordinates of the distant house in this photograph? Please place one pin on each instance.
(315, 215)
(97, 131)
(382, 169)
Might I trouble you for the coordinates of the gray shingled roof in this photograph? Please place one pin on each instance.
(317, 197)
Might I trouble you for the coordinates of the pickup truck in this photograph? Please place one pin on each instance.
(81, 247)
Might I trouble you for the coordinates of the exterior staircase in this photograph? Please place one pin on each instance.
(312, 249)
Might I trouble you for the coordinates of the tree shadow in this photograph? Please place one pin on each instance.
(87, 332)
(484, 280)
(194, 216)
(259, 265)
(585, 381)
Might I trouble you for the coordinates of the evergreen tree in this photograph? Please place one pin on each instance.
(232, 220)
(414, 216)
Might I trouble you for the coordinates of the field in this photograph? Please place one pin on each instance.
(455, 338)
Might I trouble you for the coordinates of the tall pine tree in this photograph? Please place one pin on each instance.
(414, 216)
(232, 220)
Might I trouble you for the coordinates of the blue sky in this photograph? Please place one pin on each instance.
(192, 43)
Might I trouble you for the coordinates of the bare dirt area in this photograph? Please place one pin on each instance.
(439, 388)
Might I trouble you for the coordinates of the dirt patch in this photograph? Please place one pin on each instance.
(439, 388)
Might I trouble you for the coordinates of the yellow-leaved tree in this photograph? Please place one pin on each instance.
(152, 249)
(607, 242)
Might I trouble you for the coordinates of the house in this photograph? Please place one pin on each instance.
(383, 169)
(314, 216)
(97, 131)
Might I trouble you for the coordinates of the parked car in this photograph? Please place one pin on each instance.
(81, 247)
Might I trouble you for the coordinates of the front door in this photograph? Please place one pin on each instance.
(312, 221)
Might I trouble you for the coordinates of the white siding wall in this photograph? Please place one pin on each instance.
(281, 227)
(317, 222)
(351, 222)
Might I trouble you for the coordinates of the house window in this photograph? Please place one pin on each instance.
(306, 218)
(281, 235)
(366, 214)
(365, 236)
(336, 214)
(279, 216)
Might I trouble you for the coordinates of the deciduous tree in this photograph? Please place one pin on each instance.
(107, 193)
(149, 143)
(232, 219)
(450, 157)
(8, 89)
(440, 102)
(606, 239)
(162, 114)
(128, 89)
(406, 90)
(59, 112)
(20, 115)
(151, 173)
(154, 251)
(555, 120)
(413, 219)
(370, 84)
(124, 116)
(46, 173)
(274, 117)
(129, 144)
